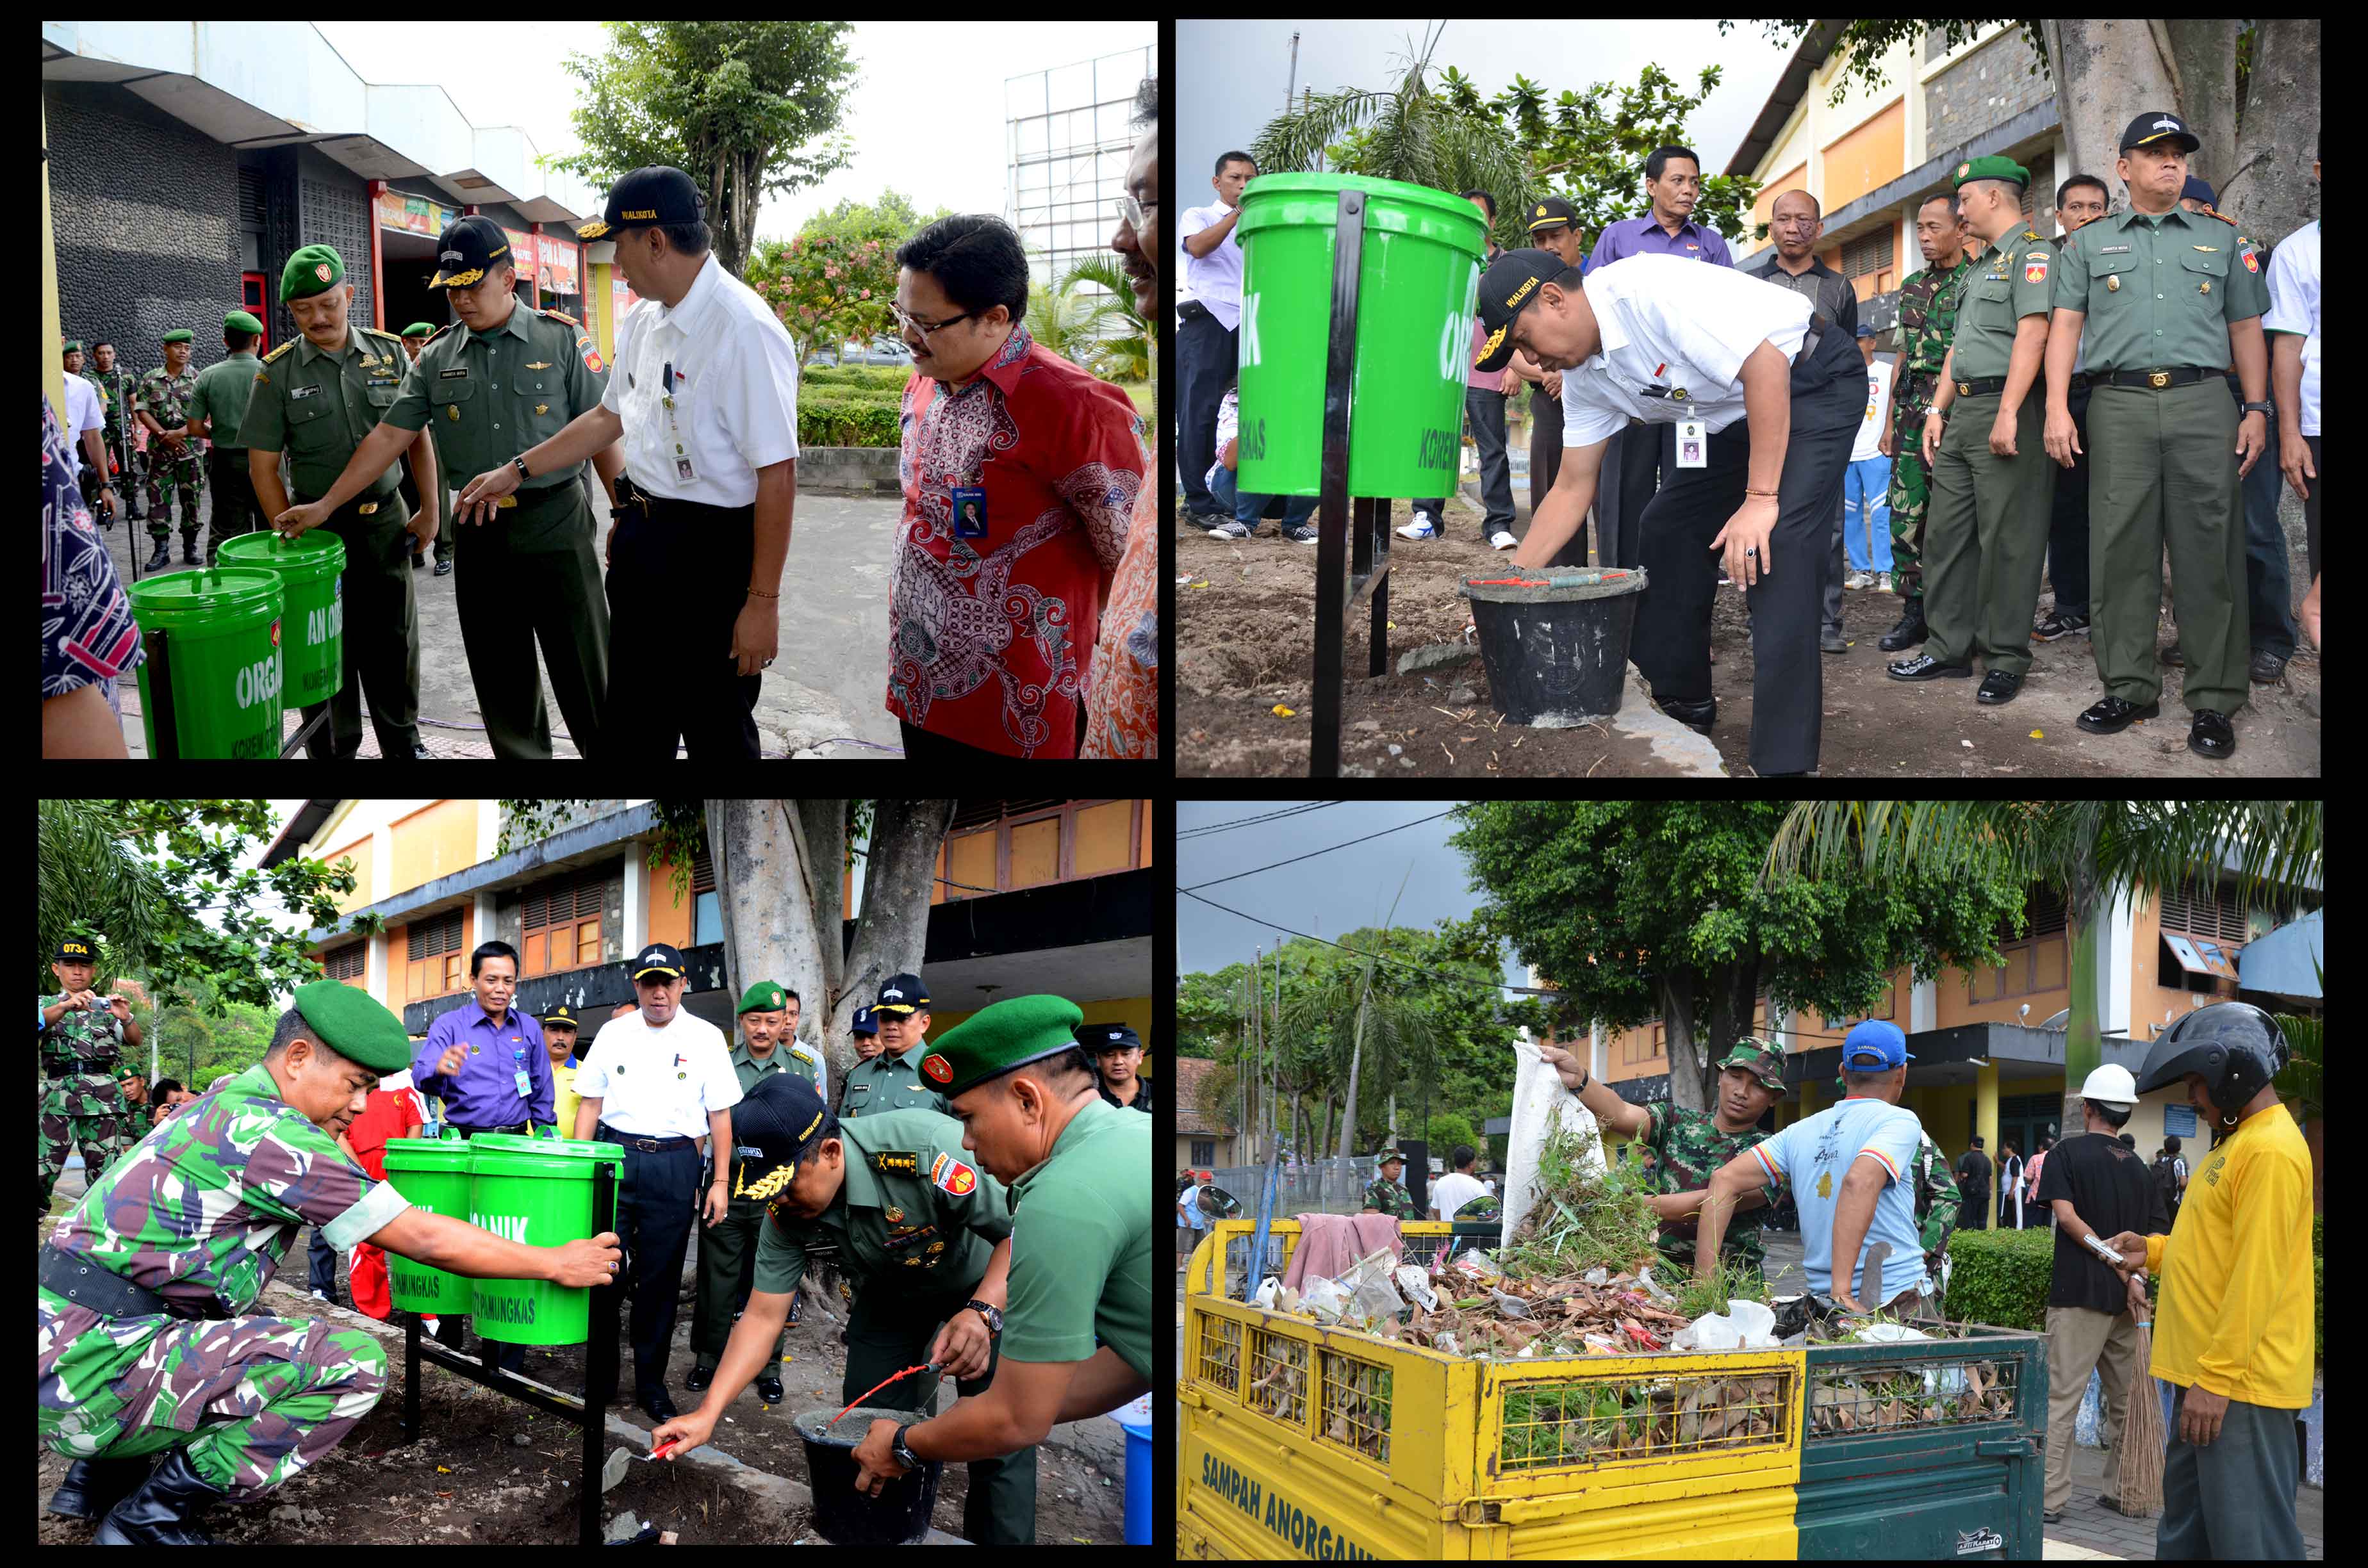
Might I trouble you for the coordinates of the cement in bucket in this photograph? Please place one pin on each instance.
(311, 569)
(222, 626)
(433, 1174)
(1556, 643)
(1418, 281)
(537, 1191)
(845, 1516)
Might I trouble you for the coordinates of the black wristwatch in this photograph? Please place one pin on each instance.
(994, 1318)
(904, 1455)
(519, 461)
(2257, 408)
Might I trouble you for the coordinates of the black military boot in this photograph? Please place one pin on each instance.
(768, 1389)
(189, 553)
(92, 1486)
(163, 1511)
(1910, 631)
(699, 1378)
(163, 558)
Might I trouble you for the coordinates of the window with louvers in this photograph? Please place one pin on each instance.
(2194, 912)
(350, 962)
(1868, 253)
(435, 961)
(559, 923)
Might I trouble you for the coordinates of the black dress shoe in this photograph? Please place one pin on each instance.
(1696, 716)
(1910, 631)
(2211, 736)
(770, 1390)
(698, 1379)
(2111, 716)
(2267, 667)
(654, 1401)
(1999, 685)
(1924, 666)
(418, 562)
(94, 1486)
(163, 1510)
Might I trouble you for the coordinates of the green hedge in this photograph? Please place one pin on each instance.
(847, 421)
(890, 377)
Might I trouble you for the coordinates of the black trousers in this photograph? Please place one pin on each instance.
(1636, 463)
(1484, 409)
(2068, 521)
(656, 1209)
(1546, 462)
(1204, 369)
(1671, 643)
(676, 580)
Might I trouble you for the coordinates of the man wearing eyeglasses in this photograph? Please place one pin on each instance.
(704, 395)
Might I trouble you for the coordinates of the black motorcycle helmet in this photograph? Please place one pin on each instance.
(2238, 1048)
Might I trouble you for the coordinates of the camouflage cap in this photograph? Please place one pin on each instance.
(353, 1024)
(1764, 1058)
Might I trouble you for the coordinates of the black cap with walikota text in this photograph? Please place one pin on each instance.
(654, 196)
(1509, 287)
(2157, 125)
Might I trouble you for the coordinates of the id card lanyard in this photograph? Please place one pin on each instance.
(681, 453)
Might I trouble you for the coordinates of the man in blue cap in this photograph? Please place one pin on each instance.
(1851, 1169)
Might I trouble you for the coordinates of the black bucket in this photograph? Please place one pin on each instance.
(1556, 643)
(843, 1516)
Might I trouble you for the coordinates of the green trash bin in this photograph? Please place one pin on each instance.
(1419, 286)
(433, 1174)
(313, 607)
(538, 1191)
(223, 625)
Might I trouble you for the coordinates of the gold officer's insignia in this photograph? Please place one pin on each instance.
(2207, 247)
(542, 408)
(895, 1216)
(2207, 286)
(2113, 283)
(539, 364)
(453, 411)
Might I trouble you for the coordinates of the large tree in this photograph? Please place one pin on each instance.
(1637, 910)
(744, 108)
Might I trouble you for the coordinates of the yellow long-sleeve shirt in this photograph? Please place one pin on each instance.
(2236, 1283)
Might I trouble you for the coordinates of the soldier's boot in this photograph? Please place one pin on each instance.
(164, 556)
(189, 551)
(163, 1510)
(1910, 631)
(92, 1486)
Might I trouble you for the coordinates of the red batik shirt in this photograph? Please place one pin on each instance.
(989, 639)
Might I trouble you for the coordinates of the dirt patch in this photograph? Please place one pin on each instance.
(1245, 643)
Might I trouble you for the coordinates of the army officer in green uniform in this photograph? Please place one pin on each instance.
(927, 1236)
(1384, 1194)
(149, 1340)
(1076, 1330)
(502, 381)
(2167, 299)
(892, 1080)
(319, 398)
(218, 413)
(1986, 536)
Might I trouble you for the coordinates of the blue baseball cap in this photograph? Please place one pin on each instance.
(1866, 329)
(864, 1023)
(1873, 1046)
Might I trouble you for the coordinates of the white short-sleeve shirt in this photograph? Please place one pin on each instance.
(83, 411)
(2293, 307)
(1216, 277)
(1878, 406)
(1672, 326)
(659, 1083)
(734, 391)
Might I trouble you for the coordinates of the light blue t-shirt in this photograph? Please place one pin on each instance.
(1814, 1154)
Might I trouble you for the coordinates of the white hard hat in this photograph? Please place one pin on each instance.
(2110, 1084)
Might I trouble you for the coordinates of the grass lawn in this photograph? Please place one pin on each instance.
(1146, 398)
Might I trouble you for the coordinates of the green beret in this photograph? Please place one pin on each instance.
(353, 1024)
(765, 997)
(74, 347)
(239, 321)
(1991, 168)
(315, 269)
(419, 329)
(182, 336)
(996, 1038)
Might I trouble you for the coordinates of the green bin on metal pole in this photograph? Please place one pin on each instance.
(314, 609)
(433, 1176)
(1418, 285)
(221, 626)
(537, 1191)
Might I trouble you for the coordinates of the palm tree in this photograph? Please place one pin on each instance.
(2094, 851)
(1124, 353)
(1409, 132)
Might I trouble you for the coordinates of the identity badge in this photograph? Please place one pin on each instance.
(525, 1084)
(970, 511)
(1692, 444)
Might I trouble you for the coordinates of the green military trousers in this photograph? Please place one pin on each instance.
(890, 1330)
(533, 576)
(236, 510)
(727, 1265)
(2159, 472)
(1986, 536)
(381, 644)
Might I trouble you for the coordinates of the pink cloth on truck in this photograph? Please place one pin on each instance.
(1328, 1244)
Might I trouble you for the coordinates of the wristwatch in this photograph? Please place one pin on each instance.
(519, 461)
(994, 1318)
(904, 1455)
(2257, 408)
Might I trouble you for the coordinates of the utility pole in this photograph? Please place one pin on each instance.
(1293, 87)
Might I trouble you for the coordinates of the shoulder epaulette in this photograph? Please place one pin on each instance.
(2031, 233)
(561, 317)
(395, 338)
(2208, 212)
(275, 353)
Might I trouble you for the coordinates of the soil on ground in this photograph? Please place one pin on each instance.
(1245, 644)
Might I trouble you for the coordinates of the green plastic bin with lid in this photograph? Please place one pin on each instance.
(313, 607)
(537, 1191)
(433, 1176)
(1418, 284)
(224, 627)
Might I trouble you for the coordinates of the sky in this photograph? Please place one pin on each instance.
(958, 160)
(1323, 897)
(1221, 104)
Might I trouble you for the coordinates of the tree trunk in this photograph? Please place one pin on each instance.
(1393, 1113)
(2107, 72)
(2083, 1042)
(899, 870)
(2269, 190)
(774, 924)
(1356, 1060)
(1678, 986)
(2204, 60)
(1735, 988)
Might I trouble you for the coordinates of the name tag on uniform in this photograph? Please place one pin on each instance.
(525, 1084)
(301, 391)
(1692, 442)
(461, 375)
(970, 511)
(2112, 250)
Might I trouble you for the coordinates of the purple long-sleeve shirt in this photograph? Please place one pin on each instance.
(484, 1092)
(1643, 236)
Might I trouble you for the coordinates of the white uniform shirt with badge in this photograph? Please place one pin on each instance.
(734, 395)
(659, 1083)
(82, 412)
(2293, 308)
(1216, 277)
(1673, 324)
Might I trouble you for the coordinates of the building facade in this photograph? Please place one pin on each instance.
(1069, 138)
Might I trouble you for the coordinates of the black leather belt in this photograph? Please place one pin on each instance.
(647, 1145)
(85, 1284)
(1193, 310)
(1982, 388)
(96, 1069)
(2177, 376)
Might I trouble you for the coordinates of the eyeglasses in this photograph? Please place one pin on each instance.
(1131, 211)
(914, 324)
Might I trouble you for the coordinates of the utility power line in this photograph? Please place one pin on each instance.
(1295, 859)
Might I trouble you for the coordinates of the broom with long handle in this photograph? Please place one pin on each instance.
(2142, 1436)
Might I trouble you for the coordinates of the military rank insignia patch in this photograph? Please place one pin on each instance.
(2034, 269)
(2252, 262)
(937, 1067)
(900, 1163)
(949, 1175)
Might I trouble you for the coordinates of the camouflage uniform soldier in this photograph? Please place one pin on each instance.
(1937, 1205)
(116, 384)
(147, 1338)
(1692, 1145)
(1384, 1195)
(1927, 322)
(83, 1037)
(162, 404)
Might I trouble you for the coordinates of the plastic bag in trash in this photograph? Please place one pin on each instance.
(1375, 1299)
(1327, 1299)
(1416, 1288)
(1511, 1306)
(1652, 1289)
(1597, 1275)
(1269, 1294)
(1477, 1264)
(1745, 1325)
(1374, 1266)
(1888, 1334)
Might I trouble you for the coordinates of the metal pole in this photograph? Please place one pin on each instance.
(1293, 87)
(1323, 740)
